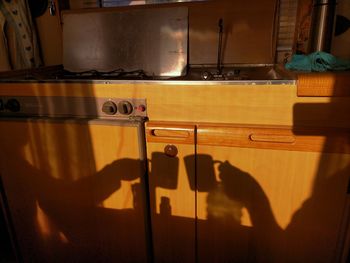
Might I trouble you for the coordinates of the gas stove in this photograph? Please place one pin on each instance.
(99, 75)
(59, 73)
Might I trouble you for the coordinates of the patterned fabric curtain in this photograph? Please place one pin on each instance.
(19, 48)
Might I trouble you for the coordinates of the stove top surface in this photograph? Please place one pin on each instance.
(59, 73)
(236, 73)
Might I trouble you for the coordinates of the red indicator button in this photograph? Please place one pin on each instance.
(141, 108)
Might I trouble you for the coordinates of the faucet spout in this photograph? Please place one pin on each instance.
(221, 31)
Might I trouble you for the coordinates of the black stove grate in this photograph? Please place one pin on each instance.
(97, 75)
(59, 73)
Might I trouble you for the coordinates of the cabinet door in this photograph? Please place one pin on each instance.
(74, 190)
(171, 150)
(270, 194)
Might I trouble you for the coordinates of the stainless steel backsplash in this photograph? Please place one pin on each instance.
(153, 40)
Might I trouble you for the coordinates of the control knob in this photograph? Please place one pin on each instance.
(109, 108)
(125, 107)
(13, 105)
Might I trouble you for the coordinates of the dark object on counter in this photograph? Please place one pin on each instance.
(317, 62)
(322, 25)
(342, 24)
(37, 7)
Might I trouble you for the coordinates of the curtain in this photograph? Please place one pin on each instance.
(18, 42)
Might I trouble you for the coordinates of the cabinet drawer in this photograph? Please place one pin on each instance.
(275, 137)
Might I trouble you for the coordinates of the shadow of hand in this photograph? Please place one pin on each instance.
(108, 180)
(122, 169)
(239, 185)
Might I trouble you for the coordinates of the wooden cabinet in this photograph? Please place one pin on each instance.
(270, 194)
(74, 190)
(171, 190)
(249, 193)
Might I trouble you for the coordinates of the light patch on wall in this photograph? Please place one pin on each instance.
(204, 35)
(241, 27)
(46, 229)
(123, 198)
(178, 52)
(43, 222)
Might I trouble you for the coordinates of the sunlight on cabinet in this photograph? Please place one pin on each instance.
(289, 202)
(173, 205)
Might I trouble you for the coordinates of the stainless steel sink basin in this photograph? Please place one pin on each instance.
(236, 73)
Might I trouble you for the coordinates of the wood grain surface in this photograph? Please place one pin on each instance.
(275, 137)
(198, 102)
(172, 194)
(324, 84)
(74, 190)
(166, 132)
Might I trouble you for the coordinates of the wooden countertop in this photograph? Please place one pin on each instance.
(325, 84)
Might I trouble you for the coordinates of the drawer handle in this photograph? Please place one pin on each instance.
(169, 133)
(272, 138)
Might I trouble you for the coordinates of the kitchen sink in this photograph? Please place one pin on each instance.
(238, 73)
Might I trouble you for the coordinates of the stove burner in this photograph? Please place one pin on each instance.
(94, 74)
(59, 73)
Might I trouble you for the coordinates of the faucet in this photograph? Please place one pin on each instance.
(221, 26)
(207, 75)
